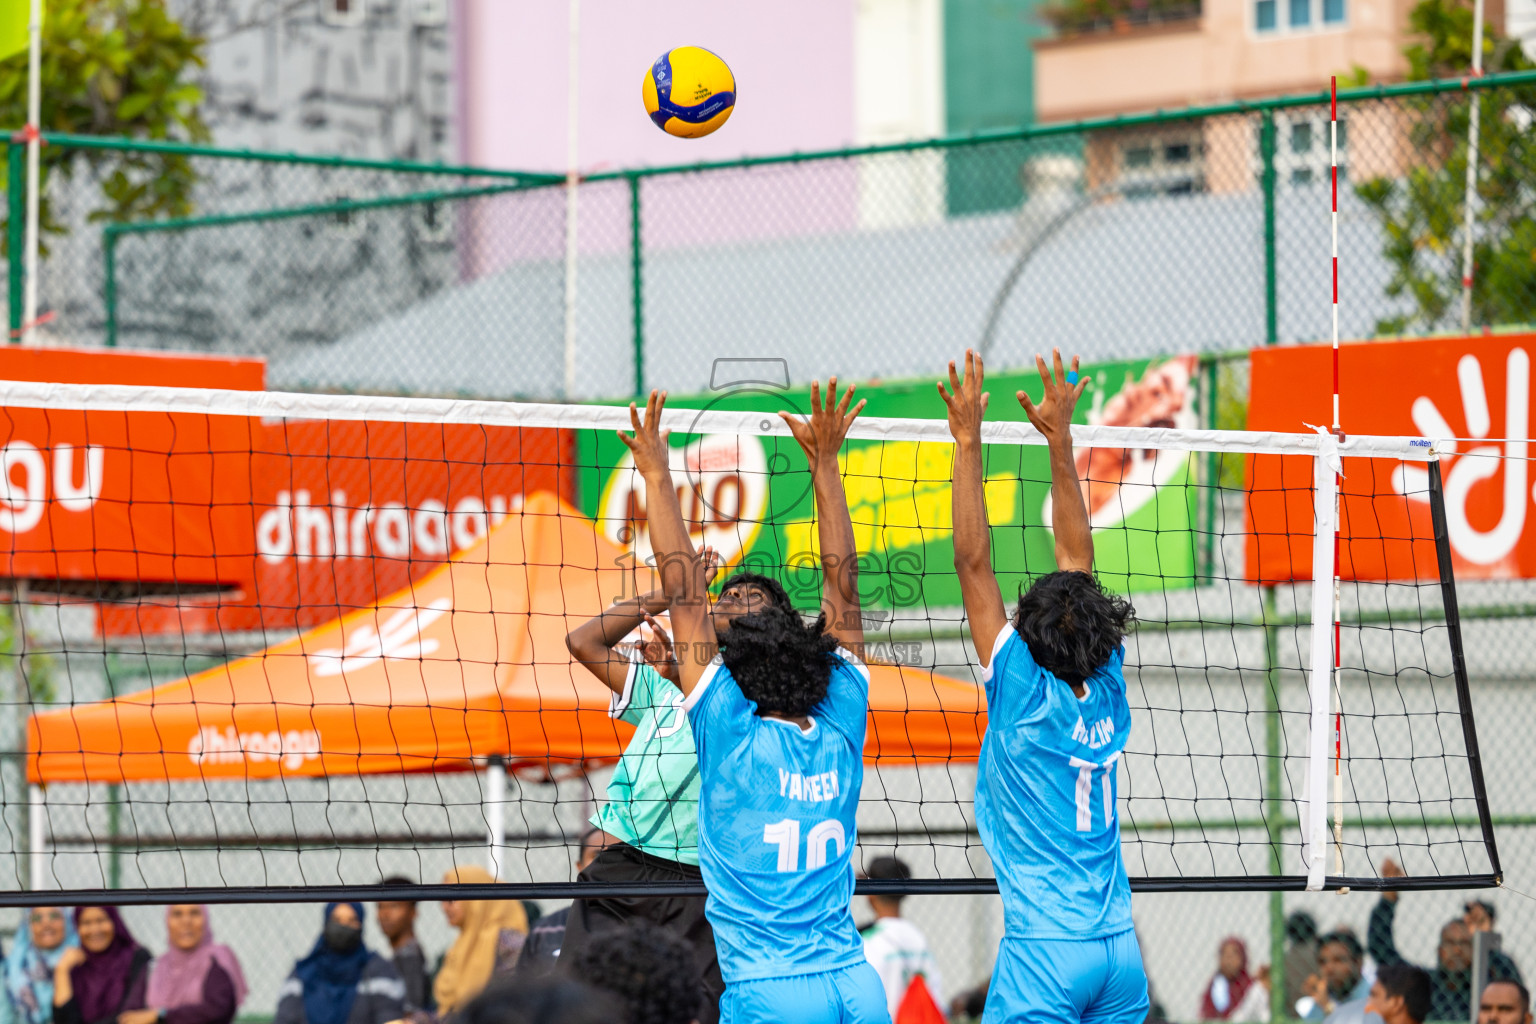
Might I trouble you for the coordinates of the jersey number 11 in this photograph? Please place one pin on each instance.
(1085, 770)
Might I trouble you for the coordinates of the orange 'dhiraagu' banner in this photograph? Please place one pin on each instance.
(469, 661)
(1475, 388)
(272, 524)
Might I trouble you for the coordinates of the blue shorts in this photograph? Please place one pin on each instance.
(1067, 981)
(848, 995)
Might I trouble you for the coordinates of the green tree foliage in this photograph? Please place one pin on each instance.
(1422, 210)
(114, 67)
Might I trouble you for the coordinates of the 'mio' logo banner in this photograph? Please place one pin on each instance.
(1477, 389)
(230, 523)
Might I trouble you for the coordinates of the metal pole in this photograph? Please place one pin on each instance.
(637, 291)
(109, 281)
(1472, 127)
(572, 119)
(34, 149)
(15, 232)
(1484, 945)
(1267, 183)
(495, 812)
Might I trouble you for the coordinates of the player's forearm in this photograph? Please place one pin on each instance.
(669, 539)
(1069, 512)
(593, 640)
(972, 539)
(839, 556)
(682, 580)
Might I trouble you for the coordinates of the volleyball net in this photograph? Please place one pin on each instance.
(267, 647)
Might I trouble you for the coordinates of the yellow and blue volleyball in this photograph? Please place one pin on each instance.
(689, 92)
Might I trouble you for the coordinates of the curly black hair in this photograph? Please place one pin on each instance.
(1072, 624)
(521, 1000)
(770, 586)
(779, 660)
(651, 970)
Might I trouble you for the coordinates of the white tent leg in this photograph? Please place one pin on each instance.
(37, 839)
(495, 812)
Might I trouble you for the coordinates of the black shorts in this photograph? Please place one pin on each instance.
(681, 915)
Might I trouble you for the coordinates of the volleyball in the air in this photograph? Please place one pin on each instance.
(689, 92)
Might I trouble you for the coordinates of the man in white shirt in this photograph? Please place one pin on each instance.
(893, 945)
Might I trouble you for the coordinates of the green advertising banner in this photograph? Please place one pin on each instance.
(749, 497)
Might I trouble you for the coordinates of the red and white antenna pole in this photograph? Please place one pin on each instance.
(1338, 711)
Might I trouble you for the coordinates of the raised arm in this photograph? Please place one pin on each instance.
(682, 572)
(821, 436)
(1053, 418)
(594, 643)
(967, 404)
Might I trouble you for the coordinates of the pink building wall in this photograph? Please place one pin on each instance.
(794, 67)
(793, 61)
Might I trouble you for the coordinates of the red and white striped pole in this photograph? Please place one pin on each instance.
(1338, 431)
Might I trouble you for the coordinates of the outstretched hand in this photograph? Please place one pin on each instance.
(821, 434)
(965, 402)
(648, 444)
(1053, 415)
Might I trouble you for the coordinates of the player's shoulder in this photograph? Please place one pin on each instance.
(1113, 671)
(849, 660)
(1010, 655)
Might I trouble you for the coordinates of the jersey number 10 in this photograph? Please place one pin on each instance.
(1085, 770)
(786, 836)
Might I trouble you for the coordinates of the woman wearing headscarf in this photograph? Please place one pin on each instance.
(28, 996)
(491, 935)
(1230, 983)
(104, 976)
(341, 981)
(197, 981)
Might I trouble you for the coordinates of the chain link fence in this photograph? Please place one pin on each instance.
(1203, 230)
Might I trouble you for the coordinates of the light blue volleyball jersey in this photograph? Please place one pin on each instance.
(777, 810)
(1046, 795)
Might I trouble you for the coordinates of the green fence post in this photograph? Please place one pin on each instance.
(16, 231)
(1274, 813)
(1211, 472)
(636, 284)
(1267, 180)
(109, 280)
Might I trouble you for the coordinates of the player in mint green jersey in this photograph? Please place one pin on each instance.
(1057, 722)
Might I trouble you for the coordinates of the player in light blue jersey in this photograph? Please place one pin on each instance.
(1057, 722)
(778, 719)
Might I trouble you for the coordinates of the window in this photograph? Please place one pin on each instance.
(1162, 164)
(1302, 157)
(1298, 16)
(343, 13)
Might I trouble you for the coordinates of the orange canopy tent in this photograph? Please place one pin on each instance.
(467, 664)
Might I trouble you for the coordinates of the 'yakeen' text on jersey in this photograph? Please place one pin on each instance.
(1046, 796)
(777, 810)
